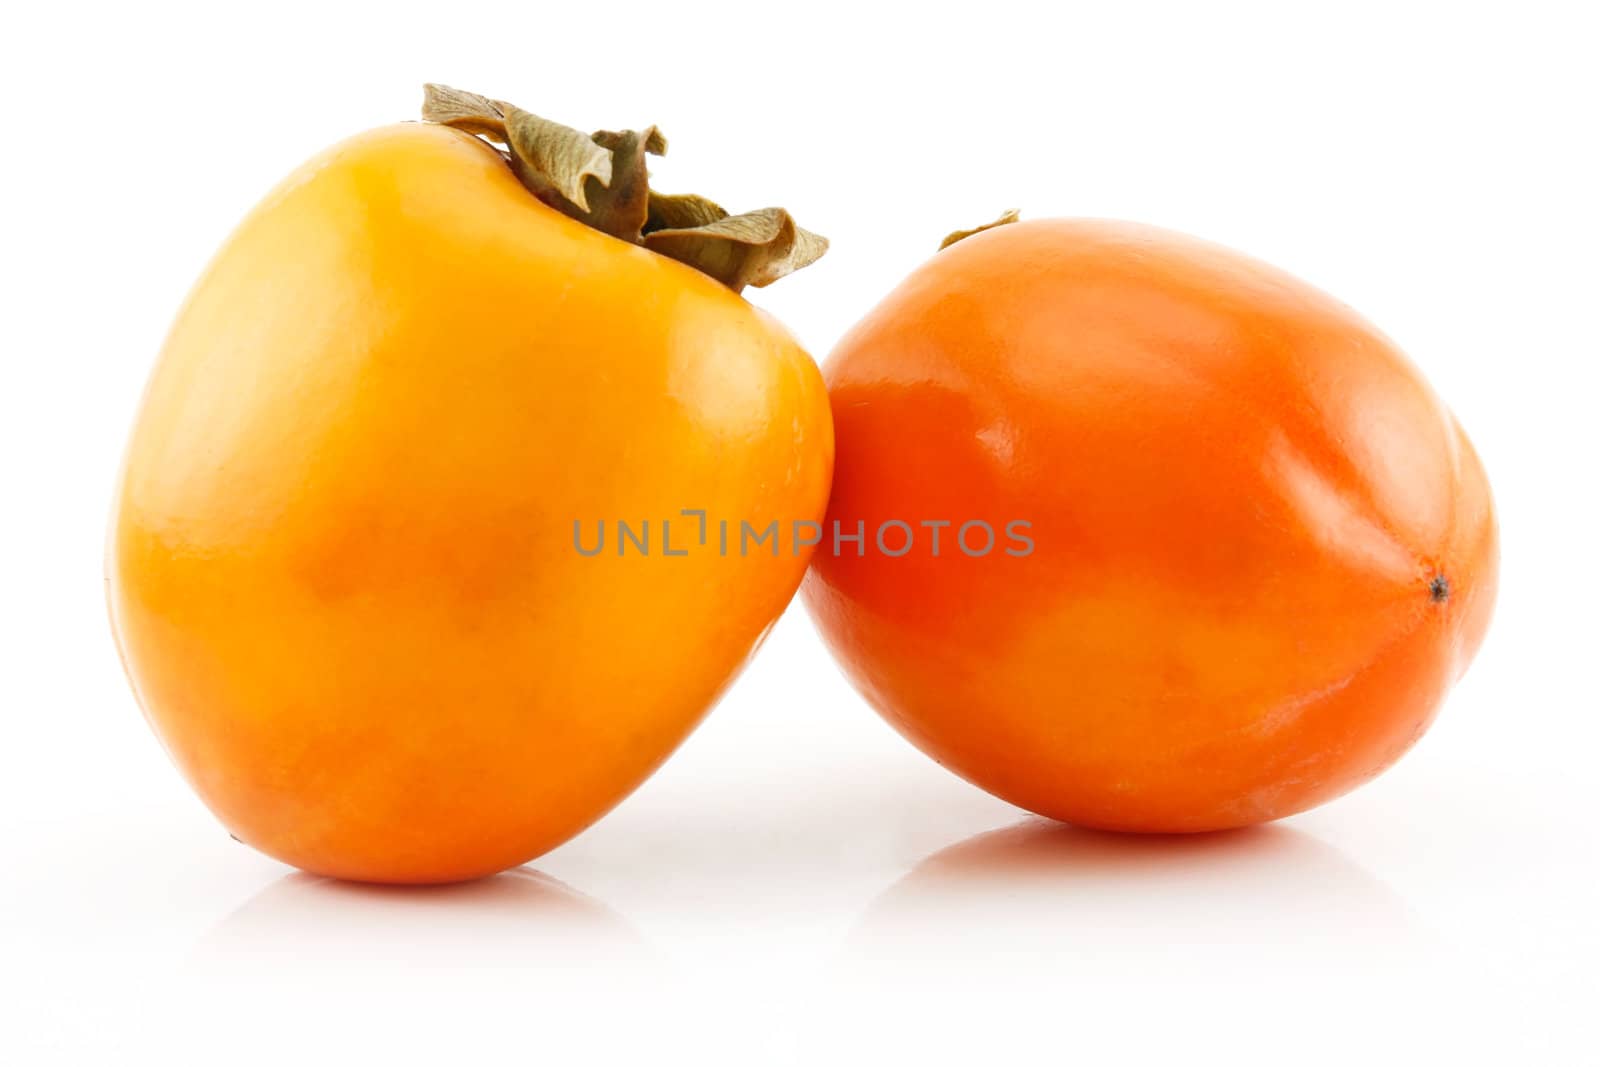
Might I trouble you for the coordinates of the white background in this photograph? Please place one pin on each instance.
(799, 885)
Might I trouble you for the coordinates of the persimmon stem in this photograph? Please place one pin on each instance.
(1006, 218)
(600, 179)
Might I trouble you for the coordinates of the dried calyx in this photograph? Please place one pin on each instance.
(600, 179)
(960, 235)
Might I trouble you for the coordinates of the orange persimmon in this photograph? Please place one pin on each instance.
(344, 574)
(1255, 548)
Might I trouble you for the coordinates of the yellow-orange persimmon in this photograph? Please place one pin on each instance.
(1262, 548)
(343, 571)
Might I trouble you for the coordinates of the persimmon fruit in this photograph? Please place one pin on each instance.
(342, 572)
(1263, 549)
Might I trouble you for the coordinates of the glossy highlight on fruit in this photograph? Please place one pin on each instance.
(1264, 549)
(342, 572)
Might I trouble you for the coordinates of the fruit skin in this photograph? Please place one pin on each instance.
(342, 574)
(1241, 495)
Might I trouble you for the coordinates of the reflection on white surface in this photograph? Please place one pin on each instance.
(521, 919)
(1040, 891)
(1259, 945)
(440, 974)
